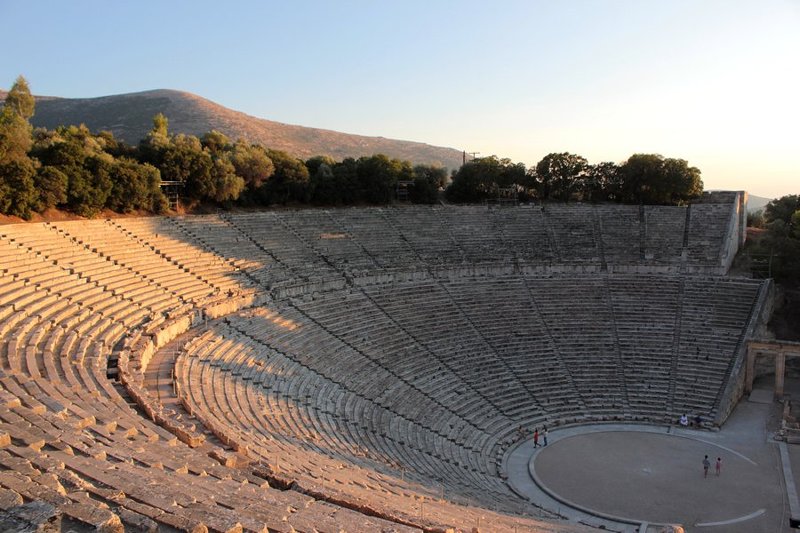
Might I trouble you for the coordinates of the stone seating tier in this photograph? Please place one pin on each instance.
(391, 356)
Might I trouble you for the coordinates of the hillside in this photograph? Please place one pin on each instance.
(754, 203)
(129, 117)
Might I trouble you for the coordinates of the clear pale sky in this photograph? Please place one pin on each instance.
(714, 82)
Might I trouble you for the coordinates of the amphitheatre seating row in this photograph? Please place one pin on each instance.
(61, 414)
(161, 236)
(278, 408)
(376, 393)
(708, 224)
(286, 247)
(375, 233)
(72, 295)
(713, 319)
(664, 229)
(620, 230)
(291, 246)
(427, 376)
(105, 478)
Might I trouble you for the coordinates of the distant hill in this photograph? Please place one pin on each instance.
(754, 203)
(129, 117)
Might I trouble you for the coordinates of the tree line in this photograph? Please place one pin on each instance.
(776, 252)
(566, 177)
(74, 169)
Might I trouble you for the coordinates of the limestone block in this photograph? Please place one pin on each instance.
(33, 517)
(9, 499)
(137, 523)
(102, 520)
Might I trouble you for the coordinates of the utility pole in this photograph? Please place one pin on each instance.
(471, 154)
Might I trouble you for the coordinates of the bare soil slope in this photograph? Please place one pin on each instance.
(129, 117)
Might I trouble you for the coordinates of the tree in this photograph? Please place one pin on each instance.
(90, 186)
(227, 186)
(185, 161)
(481, 178)
(651, 179)
(79, 155)
(755, 219)
(560, 176)
(427, 181)
(15, 128)
(345, 181)
(378, 176)
(17, 191)
(289, 181)
(252, 164)
(600, 182)
(324, 185)
(152, 147)
(215, 142)
(134, 186)
(782, 208)
(19, 100)
(51, 185)
(160, 127)
(681, 182)
(17, 169)
(315, 162)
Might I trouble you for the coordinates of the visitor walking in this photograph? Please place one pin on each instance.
(719, 465)
(536, 437)
(544, 435)
(706, 464)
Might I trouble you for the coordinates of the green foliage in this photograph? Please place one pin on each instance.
(288, 183)
(252, 164)
(15, 128)
(755, 219)
(427, 181)
(89, 188)
(227, 186)
(600, 182)
(135, 186)
(184, 160)
(215, 142)
(781, 241)
(86, 172)
(481, 179)
(559, 176)
(151, 148)
(377, 178)
(315, 162)
(324, 186)
(651, 179)
(79, 155)
(345, 175)
(17, 191)
(160, 126)
(19, 100)
(782, 208)
(15, 137)
(51, 185)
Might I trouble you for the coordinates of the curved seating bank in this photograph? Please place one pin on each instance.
(361, 369)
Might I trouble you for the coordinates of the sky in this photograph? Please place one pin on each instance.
(715, 82)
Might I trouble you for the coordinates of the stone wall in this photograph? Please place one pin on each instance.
(737, 230)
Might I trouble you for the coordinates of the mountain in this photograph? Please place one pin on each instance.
(754, 203)
(129, 117)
